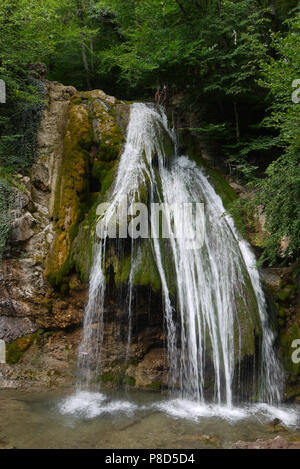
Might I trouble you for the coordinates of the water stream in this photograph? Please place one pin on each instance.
(218, 295)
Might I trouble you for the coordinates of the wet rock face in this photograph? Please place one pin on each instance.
(22, 228)
(12, 328)
(142, 363)
(41, 360)
(283, 286)
(27, 301)
(44, 275)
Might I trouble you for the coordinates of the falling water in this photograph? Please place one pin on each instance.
(218, 295)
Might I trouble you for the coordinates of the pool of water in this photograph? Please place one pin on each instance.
(133, 420)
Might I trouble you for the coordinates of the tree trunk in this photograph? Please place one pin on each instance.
(237, 123)
(182, 9)
(92, 54)
(273, 9)
(86, 65)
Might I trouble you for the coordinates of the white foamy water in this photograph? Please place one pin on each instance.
(191, 410)
(264, 413)
(290, 417)
(89, 405)
(218, 290)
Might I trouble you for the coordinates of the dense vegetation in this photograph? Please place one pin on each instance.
(234, 61)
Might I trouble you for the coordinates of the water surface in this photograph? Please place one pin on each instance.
(133, 420)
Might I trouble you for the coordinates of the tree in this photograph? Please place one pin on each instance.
(279, 191)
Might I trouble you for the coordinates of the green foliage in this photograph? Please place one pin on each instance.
(212, 52)
(30, 30)
(18, 134)
(279, 191)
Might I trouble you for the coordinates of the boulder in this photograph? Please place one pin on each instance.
(12, 328)
(22, 228)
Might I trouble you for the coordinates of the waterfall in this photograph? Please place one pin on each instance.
(215, 296)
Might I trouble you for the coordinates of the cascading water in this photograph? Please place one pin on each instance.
(215, 294)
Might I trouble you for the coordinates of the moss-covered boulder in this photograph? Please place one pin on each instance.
(92, 145)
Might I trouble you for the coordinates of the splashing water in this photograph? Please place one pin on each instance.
(218, 294)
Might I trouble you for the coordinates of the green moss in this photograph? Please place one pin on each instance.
(222, 188)
(48, 334)
(281, 312)
(145, 273)
(117, 377)
(129, 380)
(121, 270)
(247, 327)
(75, 206)
(15, 350)
(76, 99)
(82, 249)
(104, 172)
(114, 377)
(154, 386)
(287, 292)
(72, 184)
(104, 168)
(292, 392)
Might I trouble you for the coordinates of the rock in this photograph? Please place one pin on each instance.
(38, 70)
(100, 96)
(22, 228)
(277, 443)
(43, 284)
(276, 427)
(237, 187)
(40, 177)
(123, 113)
(212, 440)
(284, 245)
(96, 131)
(12, 328)
(24, 292)
(49, 362)
(150, 373)
(21, 200)
(271, 278)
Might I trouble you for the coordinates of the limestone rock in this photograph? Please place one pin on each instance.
(22, 228)
(12, 328)
(150, 372)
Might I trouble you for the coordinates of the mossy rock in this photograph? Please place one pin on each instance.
(146, 272)
(84, 162)
(129, 380)
(145, 269)
(15, 350)
(72, 184)
(104, 172)
(113, 377)
(155, 386)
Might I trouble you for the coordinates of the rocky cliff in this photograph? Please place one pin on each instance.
(44, 273)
